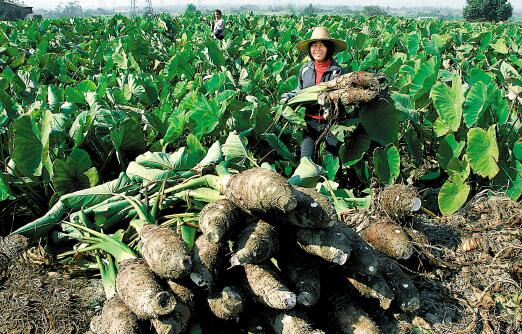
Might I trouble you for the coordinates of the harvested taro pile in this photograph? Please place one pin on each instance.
(270, 257)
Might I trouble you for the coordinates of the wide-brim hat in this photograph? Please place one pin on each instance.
(321, 34)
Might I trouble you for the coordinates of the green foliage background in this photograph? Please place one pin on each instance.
(82, 98)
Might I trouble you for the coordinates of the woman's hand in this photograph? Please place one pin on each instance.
(285, 97)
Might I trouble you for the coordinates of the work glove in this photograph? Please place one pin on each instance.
(285, 97)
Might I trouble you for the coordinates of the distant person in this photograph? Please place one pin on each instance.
(218, 26)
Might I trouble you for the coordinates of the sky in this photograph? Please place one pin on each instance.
(517, 4)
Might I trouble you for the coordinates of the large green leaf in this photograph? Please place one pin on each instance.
(424, 78)
(353, 149)
(456, 166)
(294, 117)
(448, 102)
(28, 147)
(449, 148)
(215, 83)
(278, 145)
(307, 174)
(483, 152)
(387, 163)
(234, 149)
(215, 54)
(476, 103)
(75, 201)
(205, 115)
(381, 121)
(453, 194)
(157, 166)
(394, 64)
(331, 165)
(413, 44)
(515, 189)
(5, 192)
(517, 150)
(404, 104)
(74, 173)
(81, 127)
(128, 136)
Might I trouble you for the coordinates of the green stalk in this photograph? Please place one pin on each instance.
(182, 215)
(108, 274)
(157, 202)
(142, 213)
(209, 181)
(116, 248)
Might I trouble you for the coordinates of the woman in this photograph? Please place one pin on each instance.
(321, 68)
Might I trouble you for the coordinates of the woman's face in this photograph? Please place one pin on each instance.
(318, 50)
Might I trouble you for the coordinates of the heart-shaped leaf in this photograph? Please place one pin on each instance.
(453, 194)
(387, 163)
(483, 152)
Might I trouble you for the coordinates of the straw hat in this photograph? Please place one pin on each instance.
(321, 34)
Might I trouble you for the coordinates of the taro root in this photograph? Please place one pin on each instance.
(389, 238)
(330, 244)
(141, 291)
(116, 318)
(348, 318)
(175, 322)
(267, 287)
(406, 294)
(364, 259)
(257, 242)
(359, 79)
(373, 287)
(398, 201)
(208, 261)
(165, 252)
(226, 304)
(183, 293)
(11, 247)
(218, 218)
(348, 96)
(260, 192)
(313, 210)
(302, 271)
(292, 322)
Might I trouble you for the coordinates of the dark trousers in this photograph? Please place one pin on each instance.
(314, 128)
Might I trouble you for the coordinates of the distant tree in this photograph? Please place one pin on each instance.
(72, 9)
(374, 11)
(309, 10)
(191, 8)
(487, 10)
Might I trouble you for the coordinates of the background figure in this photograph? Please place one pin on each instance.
(218, 26)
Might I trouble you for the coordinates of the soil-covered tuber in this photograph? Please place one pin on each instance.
(165, 252)
(389, 238)
(218, 218)
(226, 304)
(313, 210)
(257, 242)
(207, 260)
(260, 191)
(268, 288)
(141, 291)
(330, 244)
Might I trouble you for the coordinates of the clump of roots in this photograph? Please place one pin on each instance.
(368, 80)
